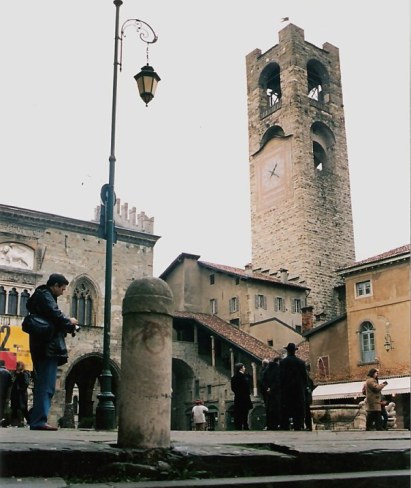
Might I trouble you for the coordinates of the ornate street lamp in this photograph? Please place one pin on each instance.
(147, 81)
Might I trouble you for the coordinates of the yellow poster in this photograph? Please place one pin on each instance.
(14, 346)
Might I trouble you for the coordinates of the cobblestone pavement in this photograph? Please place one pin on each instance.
(300, 457)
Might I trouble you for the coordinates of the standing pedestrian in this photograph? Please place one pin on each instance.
(5, 384)
(19, 395)
(373, 400)
(198, 415)
(293, 380)
(272, 379)
(47, 355)
(242, 400)
(309, 399)
(263, 388)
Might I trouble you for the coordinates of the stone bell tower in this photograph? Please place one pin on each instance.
(301, 215)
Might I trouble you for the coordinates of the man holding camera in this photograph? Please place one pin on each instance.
(47, 355)
(373, 398)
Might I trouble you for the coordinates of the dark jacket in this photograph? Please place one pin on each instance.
(19, 395)
(241, 389)
(44, 303)
(5, 382)
(272, 378)
(293, 377)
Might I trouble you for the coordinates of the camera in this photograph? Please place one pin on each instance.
(76, 329)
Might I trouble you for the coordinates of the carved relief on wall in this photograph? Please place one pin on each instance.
(16, 255)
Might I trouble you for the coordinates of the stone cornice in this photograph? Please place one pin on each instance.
(41, 220)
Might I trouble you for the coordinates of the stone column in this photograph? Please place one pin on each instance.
(212, 351)
(232, 361)
(146, 360)
(254, 368)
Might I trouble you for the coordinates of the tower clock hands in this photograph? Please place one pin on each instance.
(272, 171)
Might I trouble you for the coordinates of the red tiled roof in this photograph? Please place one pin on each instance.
(231, 333)
(393, 253)
(238, 337)
(241, 273)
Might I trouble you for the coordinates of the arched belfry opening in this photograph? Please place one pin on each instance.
(317, 81)
(323, 141)
(270, 88)
(271, 133)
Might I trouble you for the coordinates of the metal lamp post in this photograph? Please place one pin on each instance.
(147, 81)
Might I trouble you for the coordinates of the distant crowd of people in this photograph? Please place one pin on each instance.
(286, 389)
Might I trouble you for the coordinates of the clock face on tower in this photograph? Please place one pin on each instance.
(273, 171)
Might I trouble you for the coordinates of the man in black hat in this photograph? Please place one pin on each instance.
(293, 380)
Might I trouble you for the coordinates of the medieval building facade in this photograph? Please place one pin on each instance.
(35, 244)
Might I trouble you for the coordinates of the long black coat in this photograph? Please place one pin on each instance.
(241, 389)
(293, 379)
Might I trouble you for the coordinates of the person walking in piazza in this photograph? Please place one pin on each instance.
(242, 400)
(373, 400)
(47, 355)
(5, 384)
(293, 381)
(198, 415)
(19, 395)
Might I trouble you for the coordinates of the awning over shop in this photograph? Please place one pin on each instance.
(395, 386)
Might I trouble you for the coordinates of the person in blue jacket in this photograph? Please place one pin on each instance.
(47, 355)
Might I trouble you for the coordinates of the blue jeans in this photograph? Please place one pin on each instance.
(44, 388)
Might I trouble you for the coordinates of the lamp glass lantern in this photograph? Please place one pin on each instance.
(147, 81)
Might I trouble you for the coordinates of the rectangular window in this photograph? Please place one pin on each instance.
(270, 343)
(298, 328)
(279, 304)
(363, 288)
(213, 306)
(297, 305)
(233, 304)
(212, 279)
(261, 302)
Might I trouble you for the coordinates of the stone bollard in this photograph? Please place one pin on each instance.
(146, 359)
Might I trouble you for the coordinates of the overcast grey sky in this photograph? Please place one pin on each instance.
(184, 159)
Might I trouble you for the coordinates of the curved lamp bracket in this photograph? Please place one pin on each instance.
(145, 32)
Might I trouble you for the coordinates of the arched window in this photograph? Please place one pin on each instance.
(25, 295)
(12, 303)
(323, 143)
(2, 300)
(317, 78)
(83, 302)
(367, 342)
(270, 89)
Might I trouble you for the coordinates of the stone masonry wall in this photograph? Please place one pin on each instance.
(308, 227)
